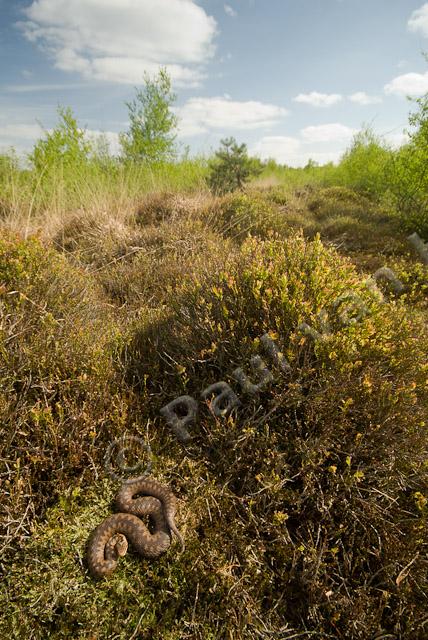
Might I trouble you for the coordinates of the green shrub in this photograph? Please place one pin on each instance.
(331, 202)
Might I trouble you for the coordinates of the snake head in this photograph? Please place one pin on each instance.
(116, 547)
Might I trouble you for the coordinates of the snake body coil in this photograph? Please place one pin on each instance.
(139, 497)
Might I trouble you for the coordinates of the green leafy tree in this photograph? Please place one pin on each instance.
(151, 136)
(409, 172)
(66, 146)
(364, 164)
(231, 167)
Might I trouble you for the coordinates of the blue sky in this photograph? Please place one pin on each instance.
(294, 79)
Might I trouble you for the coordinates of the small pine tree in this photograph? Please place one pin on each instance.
(231, 168)
(151, 136)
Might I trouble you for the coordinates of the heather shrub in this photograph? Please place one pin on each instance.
(414, 277)
(162, 257)
(331, 503)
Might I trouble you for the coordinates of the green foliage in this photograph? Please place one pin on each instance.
(330, 203)
(409, 173)
(151, 134)
(295, 177)
(363, 166)
(231, 168)
(65, 148)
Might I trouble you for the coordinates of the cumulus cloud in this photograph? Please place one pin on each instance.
(20, 131)
(199, 115)
(409, 84)
(292, 151)
(118, 40)
(360, 97)
(316, 99)
(418, 21)
(333, 132)
(230, 11)
(94, 136)
(322, 143)
(20, 137)
(396, 139)
(282, 148)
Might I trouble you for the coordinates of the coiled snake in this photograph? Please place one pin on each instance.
(139, 497)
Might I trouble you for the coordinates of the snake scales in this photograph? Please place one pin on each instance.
(136, 498)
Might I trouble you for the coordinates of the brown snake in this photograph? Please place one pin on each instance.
(139, 497)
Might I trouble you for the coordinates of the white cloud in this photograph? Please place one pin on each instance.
(20, 137)
(292, 151)
(111, 137)
(322, 143)
(30, 88)
(333, 132)
(230, 11)
(119, 40)
(360, 97)
(283, 149)
(20, 131)
(418, 21)
(200, 115)
(409, 84)
(316, 99)
(396, 139)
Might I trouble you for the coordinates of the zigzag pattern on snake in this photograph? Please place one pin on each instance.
(136, 498)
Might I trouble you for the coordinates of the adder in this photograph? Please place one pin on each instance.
(138, 497)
